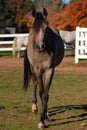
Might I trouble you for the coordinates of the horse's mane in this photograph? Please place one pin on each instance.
(39, 20)
(50, 37)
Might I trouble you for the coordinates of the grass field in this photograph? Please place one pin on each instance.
(67, 103)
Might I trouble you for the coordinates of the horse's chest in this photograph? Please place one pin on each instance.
(42, 61)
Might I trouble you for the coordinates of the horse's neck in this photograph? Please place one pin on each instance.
(31, 38)
(30, 46)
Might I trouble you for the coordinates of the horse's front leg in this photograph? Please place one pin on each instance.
(45, 97)
(34, 100)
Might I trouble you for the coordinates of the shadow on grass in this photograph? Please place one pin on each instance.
(76, 117)
(62, 115)
(2, 107)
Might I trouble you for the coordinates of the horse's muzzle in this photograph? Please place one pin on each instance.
(40, 48)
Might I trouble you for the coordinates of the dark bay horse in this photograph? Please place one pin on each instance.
(45, 50)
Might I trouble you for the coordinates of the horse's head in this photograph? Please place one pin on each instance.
(39, 26)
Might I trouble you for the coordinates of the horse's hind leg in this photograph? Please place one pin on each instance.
(34, 100)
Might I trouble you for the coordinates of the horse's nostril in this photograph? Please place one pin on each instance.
(39, 48)
(36, 46)
(43, 46)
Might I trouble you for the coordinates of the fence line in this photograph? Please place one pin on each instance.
(81, 44)
(9, 42)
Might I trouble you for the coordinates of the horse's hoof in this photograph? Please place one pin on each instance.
(34, 108)
(41, 125)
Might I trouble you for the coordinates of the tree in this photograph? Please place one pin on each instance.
(11, 11)
(19, 9)
(75, 14)
(5, 13)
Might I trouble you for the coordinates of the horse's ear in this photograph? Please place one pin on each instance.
(45, 12)
(33, 12)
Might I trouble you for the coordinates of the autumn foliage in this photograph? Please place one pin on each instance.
(72, 15)
(17, 13)
(75, 14)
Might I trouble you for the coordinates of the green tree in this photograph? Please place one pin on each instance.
(5, 13)
(27, 4)
(11, 11)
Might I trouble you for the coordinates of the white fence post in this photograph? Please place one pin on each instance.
(80, 44)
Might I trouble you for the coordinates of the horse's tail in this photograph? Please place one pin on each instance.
(14, 47)
(27, 71)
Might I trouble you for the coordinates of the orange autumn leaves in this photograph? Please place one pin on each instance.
(75, 14)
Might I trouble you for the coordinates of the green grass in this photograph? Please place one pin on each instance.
(67, 103)
(5, 54)
(9, 54)
(83, 61)
(70, 53)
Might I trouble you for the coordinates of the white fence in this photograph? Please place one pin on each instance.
(81, 44)
(9, 42)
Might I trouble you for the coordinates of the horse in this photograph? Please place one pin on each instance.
(45, 50)
(18, 42)
(68, 36)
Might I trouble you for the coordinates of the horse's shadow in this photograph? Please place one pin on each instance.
(77, 114)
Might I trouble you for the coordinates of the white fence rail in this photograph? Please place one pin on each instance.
(81, 44)
(9, 42)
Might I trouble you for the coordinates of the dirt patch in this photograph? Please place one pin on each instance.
(66, 66)
(11, 62)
